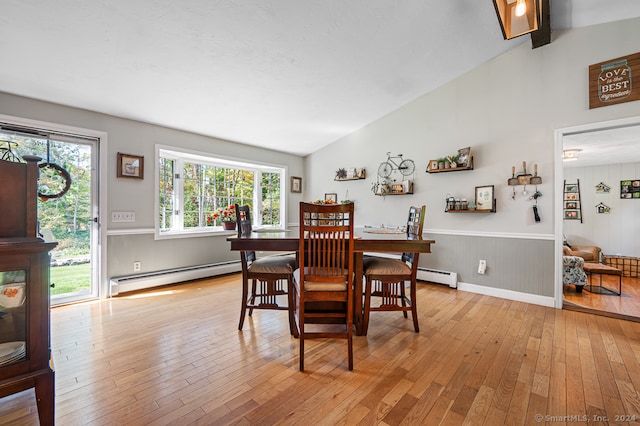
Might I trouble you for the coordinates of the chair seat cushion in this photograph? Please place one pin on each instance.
(320, 286)
(385, 266)
(274, 265)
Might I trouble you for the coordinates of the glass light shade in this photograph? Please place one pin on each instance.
(513, 25)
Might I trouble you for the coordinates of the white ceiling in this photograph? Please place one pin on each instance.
(289, 75)
(608, 146)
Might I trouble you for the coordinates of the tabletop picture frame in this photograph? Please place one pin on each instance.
(130, 166)
(485, 197)
(464, 157)
(332, 197)
(296, 184)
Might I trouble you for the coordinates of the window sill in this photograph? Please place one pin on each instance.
(217, 232)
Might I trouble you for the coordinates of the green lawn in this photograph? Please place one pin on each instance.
(69, 279)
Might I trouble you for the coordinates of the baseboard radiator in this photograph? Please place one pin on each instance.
(169, 276)
(440, 277)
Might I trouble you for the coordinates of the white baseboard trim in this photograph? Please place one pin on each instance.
(142, 281)
(535, 299)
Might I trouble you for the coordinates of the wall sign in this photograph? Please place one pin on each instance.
(611, 82)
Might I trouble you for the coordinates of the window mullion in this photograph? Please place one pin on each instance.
(179, 190)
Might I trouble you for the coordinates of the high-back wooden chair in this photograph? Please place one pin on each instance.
(385, 277)
(271, 277)
(324, 282)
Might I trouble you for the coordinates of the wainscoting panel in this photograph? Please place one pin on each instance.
(524, 265)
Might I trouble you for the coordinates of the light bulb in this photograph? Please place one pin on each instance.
(521, 8)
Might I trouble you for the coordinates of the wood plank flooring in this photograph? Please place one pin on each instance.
(626, 306)
(174, 356)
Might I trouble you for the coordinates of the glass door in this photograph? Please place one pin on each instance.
(70, 219)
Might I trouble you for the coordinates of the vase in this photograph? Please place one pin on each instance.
(228, 226)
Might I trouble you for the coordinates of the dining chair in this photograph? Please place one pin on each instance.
(385, 277)
(274, 274)
(323, 283)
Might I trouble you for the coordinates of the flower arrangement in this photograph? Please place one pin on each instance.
(227, 214)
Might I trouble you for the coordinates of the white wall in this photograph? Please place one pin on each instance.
(507, 111)
(129, 242)
(617, 232)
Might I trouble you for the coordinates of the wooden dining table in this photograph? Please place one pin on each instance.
(367, 240)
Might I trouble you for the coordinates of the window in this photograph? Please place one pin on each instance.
(191, 187)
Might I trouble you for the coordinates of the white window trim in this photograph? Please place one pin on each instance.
(182, 154)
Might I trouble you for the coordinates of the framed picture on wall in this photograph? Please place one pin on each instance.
(130, 166)
(571, 205)
(630, 189)
(571, 187)
(296, 184)
(572, 214)
(484, 197)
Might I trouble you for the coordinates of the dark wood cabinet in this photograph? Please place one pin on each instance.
(25, 354)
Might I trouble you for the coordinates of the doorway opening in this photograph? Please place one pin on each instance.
(607, 154)
(69, 218)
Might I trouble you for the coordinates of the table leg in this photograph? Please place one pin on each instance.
(358, 314)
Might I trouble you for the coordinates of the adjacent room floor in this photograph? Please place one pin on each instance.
(626, 306)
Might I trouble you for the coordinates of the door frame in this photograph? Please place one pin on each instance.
(559, 135)
(101, 187)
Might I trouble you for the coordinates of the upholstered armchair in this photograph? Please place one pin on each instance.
(573, 272)
(590, 254)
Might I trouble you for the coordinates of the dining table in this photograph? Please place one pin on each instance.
(366, 240)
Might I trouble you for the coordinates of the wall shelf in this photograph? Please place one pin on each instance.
(350, 174)
(470, 211)
(395, 193)
(353, 178)
(452, 169)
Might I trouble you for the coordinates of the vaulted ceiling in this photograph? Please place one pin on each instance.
(289, 75)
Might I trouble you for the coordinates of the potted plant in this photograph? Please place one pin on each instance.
(441, 162)
(227, 216)
(453, 161)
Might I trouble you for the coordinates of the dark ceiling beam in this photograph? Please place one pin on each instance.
(543, 35)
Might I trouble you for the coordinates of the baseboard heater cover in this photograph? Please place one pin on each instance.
(169, 276)
(440, 277)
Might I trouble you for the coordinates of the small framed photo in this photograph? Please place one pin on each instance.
(464, 157)
(296, 184)
(571, 205)
(484, 197)
(331, 197)
(130, 166)
(570, 187)
(571, 196)
(433, 165)
(572, 214)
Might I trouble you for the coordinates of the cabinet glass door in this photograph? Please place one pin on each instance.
(13, 333)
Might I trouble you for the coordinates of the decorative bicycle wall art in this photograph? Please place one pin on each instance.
(395, 176)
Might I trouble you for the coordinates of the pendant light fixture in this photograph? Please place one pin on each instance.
(517, 17)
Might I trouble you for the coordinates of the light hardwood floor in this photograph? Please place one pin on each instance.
(174, 356)
(626, 306)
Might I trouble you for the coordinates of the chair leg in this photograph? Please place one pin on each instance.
(252, 300)
(403, 297)
(350, 349)
(301, 339)
(243, 309)
(291, 305)
(367, 305)
(414, 307)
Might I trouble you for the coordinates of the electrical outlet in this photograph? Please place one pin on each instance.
(482, 267)
(137, 266)
(123, 216)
